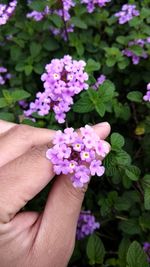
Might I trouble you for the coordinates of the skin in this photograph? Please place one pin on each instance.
(29, 238)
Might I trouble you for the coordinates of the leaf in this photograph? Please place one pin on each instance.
(56, 20)
(133, 172)
(147, 198)
(28, 69)
(100, 108)
(19, 95)
(35, 49)
(77, 22)
(83, 105)
(95, 250)
(130, 226)
(135, 96)
(123, 248)
(106, 91)
(123, 158)
(92, 65)
(117, 141)
(3, 102)
(7, 116)
(51, 44)
(38, 5)
(136, 257)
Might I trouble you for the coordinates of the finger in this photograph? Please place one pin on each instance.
(21, 180)
(19, 139)
(63, 206)
(5, 126)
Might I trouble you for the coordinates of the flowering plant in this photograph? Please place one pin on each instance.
(65, 64)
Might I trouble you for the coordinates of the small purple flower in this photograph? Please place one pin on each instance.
(4, 75)
(146, 248)
(86, 224)
(100, 81)
(91, 4)
(127, 13)
(60, 87)
(6, 11)
(70, 155)
(147, 96)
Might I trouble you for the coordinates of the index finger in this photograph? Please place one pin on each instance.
(18, 139)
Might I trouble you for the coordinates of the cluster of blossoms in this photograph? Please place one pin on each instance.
(86, 224)
(63, 79)
(147, 96)
(127, 13)
(38, 16)
(62, 12)
(99, 81)
(4, 75)
(77, 155)
(146, 248)
(129, 53)
(91, 4)
(6, 11)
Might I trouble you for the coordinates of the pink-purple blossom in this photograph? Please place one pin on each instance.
(147, 96)
(99, 81)
(146, 248)
(4, 75)
(127, 13)
(91, 4)
(129, 53)
(71, 155)
(86, 224)
(6, 11)
(63, 79)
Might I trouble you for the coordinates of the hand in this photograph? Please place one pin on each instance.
(31, 239)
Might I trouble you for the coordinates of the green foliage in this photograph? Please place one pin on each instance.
(120, 199)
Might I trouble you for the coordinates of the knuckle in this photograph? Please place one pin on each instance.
(24, 132)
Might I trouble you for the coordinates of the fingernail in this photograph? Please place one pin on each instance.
(103, 124)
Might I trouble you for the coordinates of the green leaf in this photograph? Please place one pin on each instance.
(28, 69)
(7, 96)
(83, 105)
(19, 95)
(3, 102)
(78, 23)
(135, 96)
(38, 5)
(123, 248)
(56, 20)
(130, 226)
(106, 91)
(123, 158)
(35, 49)
(51, 44)
(117, 141)
(132, 172)
(92, 65)
(136, 257)
(95, 250)
(147, 198)
(7, 116)
(100, 108)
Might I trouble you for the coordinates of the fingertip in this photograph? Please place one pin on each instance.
(102, 129)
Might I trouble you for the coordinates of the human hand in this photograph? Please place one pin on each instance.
(31, 239)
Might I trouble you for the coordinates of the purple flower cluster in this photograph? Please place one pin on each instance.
(146, 248)
(63, 79)
(4, 75)
(62, 12)
(127, 13)
(6, 11)
(129, 53)
(86, 224)
(147, 96)
(91, 4)
(38, 16)
(99, 81)
(77, 155)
